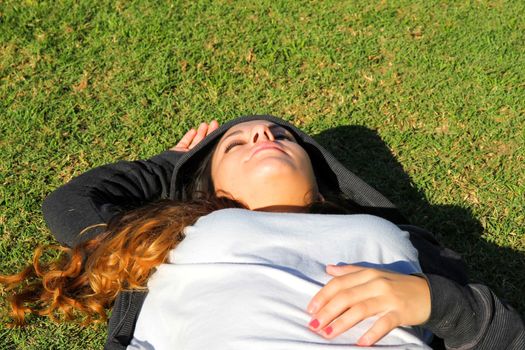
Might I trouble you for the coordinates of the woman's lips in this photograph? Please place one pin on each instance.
(266, 146)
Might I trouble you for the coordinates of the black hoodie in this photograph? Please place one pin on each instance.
(464, 315)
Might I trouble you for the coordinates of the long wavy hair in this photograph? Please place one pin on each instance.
(82, 283)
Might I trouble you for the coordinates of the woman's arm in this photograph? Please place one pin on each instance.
(471, 316)
(465, 315)
(99, 194)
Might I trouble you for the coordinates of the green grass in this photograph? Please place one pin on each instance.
(424, 99)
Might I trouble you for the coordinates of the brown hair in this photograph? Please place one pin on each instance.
(86, 279)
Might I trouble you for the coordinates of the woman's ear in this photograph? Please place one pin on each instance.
(321, 197)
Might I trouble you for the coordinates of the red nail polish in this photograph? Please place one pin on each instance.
(314, 323)
(328, 330)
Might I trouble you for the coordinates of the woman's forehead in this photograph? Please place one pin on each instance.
(250, 124)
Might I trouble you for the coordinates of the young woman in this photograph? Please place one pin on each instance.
(253, 268)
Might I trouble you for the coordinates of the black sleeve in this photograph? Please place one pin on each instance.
(471, 317)
(99, 194)
(463, 314)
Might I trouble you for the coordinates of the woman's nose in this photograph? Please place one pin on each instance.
(261, 132)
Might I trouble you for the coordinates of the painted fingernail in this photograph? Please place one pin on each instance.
(328, 330)
(314, 323)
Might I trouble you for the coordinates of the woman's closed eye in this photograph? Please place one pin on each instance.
(283, 136)
(239, 142)
(233, 144)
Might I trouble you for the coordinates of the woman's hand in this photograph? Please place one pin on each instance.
(356, 293)
(193, 137)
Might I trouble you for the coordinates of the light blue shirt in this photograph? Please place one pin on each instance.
(242, 280)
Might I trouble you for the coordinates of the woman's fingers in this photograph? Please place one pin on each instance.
(381, 327)
(358, 302)
(201, 133)
(350, 276)
(184, 143)
(193, 137)
(213, 126)
(340, 270)
(348, 318)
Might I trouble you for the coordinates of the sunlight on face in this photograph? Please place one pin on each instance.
(261, 164)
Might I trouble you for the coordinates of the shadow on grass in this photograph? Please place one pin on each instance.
(362, 151)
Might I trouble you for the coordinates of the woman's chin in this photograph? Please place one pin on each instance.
(273, 166)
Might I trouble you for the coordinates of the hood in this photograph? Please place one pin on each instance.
(331, 175)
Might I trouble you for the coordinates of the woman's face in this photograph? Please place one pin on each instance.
(261, 164)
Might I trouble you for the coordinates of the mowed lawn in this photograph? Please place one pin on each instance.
(423, 99)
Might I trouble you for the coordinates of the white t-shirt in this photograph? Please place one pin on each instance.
(242, 280)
